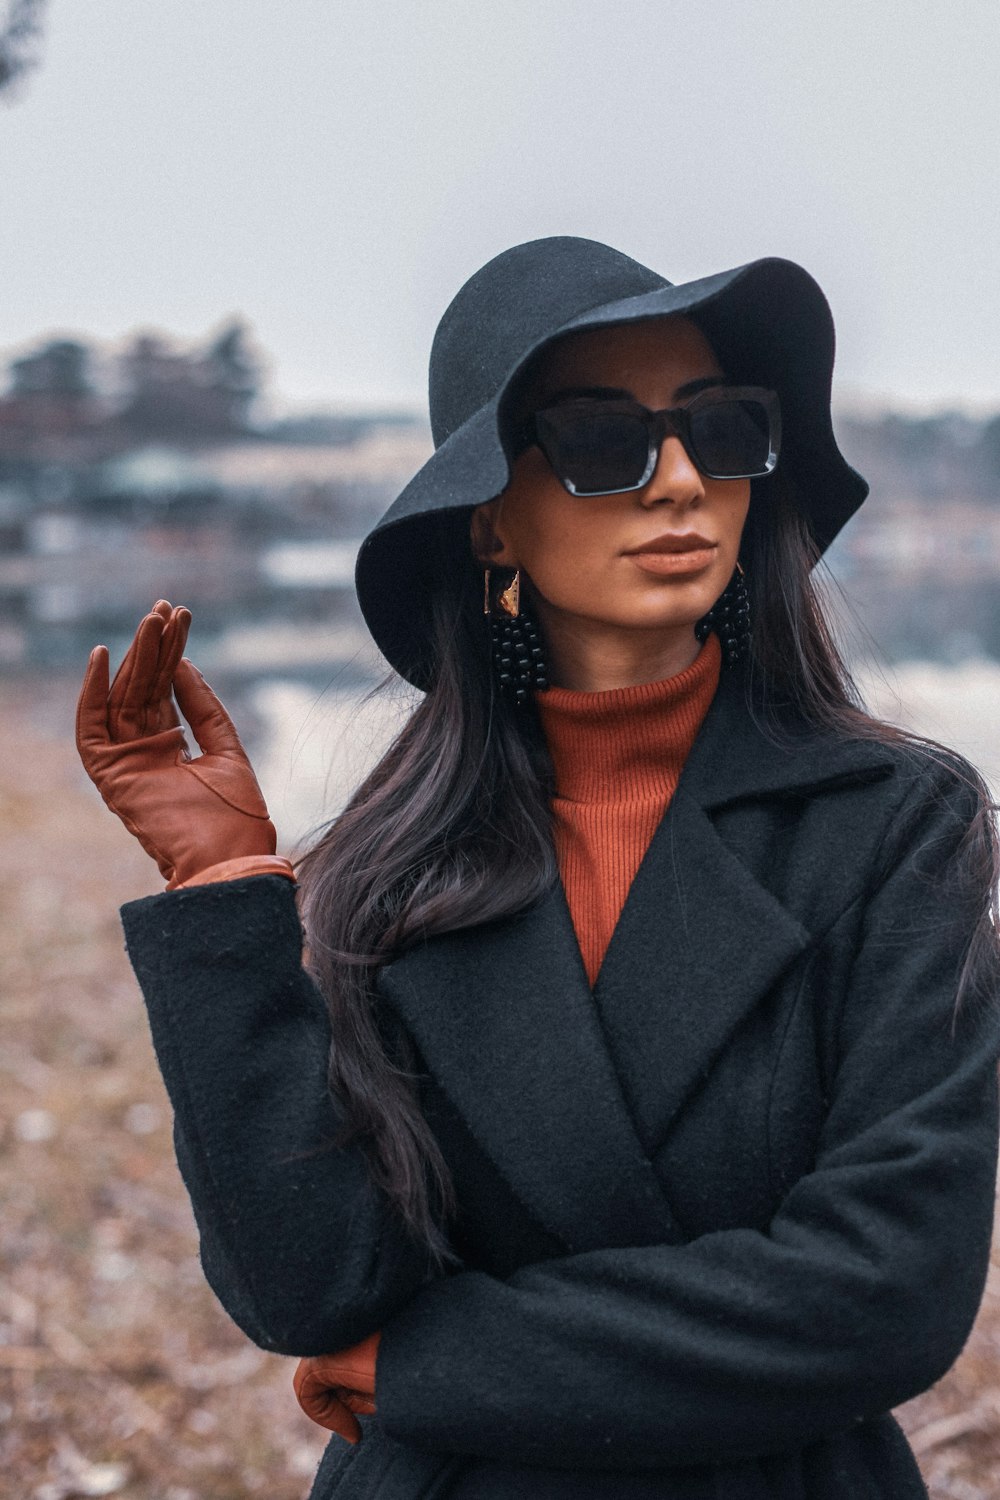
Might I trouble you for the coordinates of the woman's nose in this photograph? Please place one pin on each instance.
(675, 477)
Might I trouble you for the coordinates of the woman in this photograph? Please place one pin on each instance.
(632, 1130)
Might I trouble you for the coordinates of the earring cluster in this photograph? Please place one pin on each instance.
(729, 617)
(517, 652)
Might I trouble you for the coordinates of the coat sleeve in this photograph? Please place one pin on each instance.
(860, 1294)
(299, 1247)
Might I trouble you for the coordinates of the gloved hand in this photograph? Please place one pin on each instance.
(330, 1388)
(139, 701)
(188, 813)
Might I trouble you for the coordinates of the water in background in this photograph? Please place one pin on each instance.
(315, 745)
(257, 531)
(913, 588)
(958, 705)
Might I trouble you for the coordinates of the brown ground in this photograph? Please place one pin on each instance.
(119, 1372)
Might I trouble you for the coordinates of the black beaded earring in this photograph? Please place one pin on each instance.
(517, 651)
(730, 618)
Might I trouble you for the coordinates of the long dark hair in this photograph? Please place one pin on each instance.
(452, 829)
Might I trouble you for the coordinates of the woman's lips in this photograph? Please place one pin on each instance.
(669, 563)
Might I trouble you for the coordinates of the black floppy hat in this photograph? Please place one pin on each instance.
(768, 322)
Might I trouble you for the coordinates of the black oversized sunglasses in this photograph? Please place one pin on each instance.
(606, 447)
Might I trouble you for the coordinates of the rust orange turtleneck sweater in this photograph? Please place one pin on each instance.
(618, 757)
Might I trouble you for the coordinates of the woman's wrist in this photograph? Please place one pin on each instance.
(238, 869)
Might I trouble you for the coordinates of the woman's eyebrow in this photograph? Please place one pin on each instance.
(619, 393)
(598, 392)
(703, 383)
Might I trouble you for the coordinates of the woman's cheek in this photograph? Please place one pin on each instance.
(562, 586)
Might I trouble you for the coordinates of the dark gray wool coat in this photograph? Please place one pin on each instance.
(719, 1215)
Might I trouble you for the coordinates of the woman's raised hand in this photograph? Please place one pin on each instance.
(140, 701)
(189, 813)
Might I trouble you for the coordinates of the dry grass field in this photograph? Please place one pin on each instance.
(119, 1372)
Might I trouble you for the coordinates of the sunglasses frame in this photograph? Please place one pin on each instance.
(670, 421)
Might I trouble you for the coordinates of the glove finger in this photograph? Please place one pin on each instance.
(358, 1401)
(163, 608)
(354, 1367)
(136, 709)
(211, 726)
(352, 1371)
(172, 643)
(92, 706)
(321, 1404)
(342, 1421)
(128, 700)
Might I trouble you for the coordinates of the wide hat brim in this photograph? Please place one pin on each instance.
(768, 322)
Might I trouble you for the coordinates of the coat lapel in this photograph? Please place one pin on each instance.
(507, 1023)
(571, 1091)
(700, 939)
(698, 943)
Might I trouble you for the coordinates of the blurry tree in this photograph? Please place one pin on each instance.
(18, 36)
(945, 456)
(51, 402)
(929, 455)
(988, 453)
(232, 371)
(190, 396)
(160, 394)
(59, 368)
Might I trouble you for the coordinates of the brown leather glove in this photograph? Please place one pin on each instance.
(139, 701)
(188, 813)
(330, 1388)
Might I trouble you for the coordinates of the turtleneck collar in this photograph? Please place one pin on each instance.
(628, 744)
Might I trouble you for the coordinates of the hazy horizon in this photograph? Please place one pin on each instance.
(275, 404)
(333, 174)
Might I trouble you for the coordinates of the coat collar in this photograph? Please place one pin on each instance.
(570, 1090)
(738, 755)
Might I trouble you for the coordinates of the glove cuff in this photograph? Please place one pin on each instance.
(237, 869)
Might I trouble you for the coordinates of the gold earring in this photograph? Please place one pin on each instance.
(510, 598)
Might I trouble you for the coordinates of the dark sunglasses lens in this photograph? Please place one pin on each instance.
(596, 452)
(731, 438)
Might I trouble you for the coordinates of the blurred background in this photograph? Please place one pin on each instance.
(227, 234)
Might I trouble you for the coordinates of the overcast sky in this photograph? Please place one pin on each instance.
(333, 170)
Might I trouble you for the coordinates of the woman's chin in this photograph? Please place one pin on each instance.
(676, 608)
(656, 623)
(660, 609)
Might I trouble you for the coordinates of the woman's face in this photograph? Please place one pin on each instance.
(579, 555)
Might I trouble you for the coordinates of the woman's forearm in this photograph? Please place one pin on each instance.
(298, 1245)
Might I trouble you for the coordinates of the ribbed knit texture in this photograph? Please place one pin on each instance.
(618, 757)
